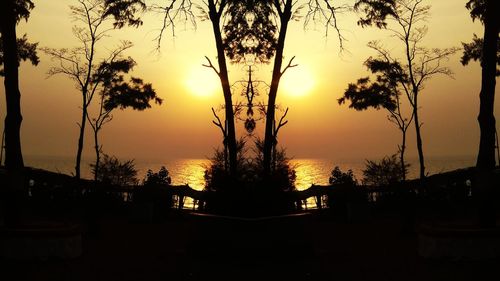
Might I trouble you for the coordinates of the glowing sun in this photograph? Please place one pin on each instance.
(202, 81)
(297, 82)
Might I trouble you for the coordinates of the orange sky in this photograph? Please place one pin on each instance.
(181, 127)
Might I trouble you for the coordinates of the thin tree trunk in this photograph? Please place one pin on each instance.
(97, 153)
(402, 154)
(486, 118)
(80, 139)
(226, 88)
(419, 140)
(269, 137)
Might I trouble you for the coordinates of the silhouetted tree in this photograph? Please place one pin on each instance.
(11, 12)
(419, 63)
(214, 11)
(384, 92)
(487, 51)
(252, 30)
(81, 64)
(117, 93)
(487, 12)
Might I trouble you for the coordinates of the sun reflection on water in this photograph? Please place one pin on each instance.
(189, 171)
(192, 171)
(308, 172)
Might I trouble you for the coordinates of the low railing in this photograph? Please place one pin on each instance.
(445, 186)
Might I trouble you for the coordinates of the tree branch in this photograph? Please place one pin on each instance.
(210, 65)
(219, 123)
(290, 65)
(281, 123)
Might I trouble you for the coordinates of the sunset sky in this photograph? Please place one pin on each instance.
(182, 128)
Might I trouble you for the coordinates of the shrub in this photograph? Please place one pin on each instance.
(343, 178)
(386, 172)
(250, 191)
(113, 171)
(162, 177)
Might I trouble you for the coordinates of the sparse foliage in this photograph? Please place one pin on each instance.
(115, 172)
(384, 92)
(386, 172)
(473, 51)
(26, 51)
(116, 92)
(418, 63)
(81, 64)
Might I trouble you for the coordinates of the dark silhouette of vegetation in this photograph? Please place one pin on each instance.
(13, 50)
(250, 32)
(473, 51)
(339, 177)
(214, 11)
(162, 177)
(384, 92)
(81, 64)
(251, 193)
(384, 173)
(487, 51)
(115, 172)
(26, 51)
(419, 63)
(117, 93)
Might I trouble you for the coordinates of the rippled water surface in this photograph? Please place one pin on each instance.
(191, 171)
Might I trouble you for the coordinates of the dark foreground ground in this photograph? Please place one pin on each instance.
(125, 250)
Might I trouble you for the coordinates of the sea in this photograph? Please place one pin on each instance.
(309, 171)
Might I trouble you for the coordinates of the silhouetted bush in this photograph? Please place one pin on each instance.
(250, 191)
(339, 177)
(162, 177)
(386, 172)
(114, 172)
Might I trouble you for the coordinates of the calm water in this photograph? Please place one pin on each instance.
(308, 171)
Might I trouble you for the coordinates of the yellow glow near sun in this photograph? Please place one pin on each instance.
(297, 82)
(202, 81)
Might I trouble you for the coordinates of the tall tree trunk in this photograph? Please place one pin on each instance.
(81, 138)
(13, 153)
(486, 157)
(226, 87)
(419, 140)
(14, 197)
(486, 118)
(269, 137)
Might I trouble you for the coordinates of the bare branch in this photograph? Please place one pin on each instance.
(290, 65)
(218, 123)
(281, 123)
(172, 13)
(210, 65)
(323, 10)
